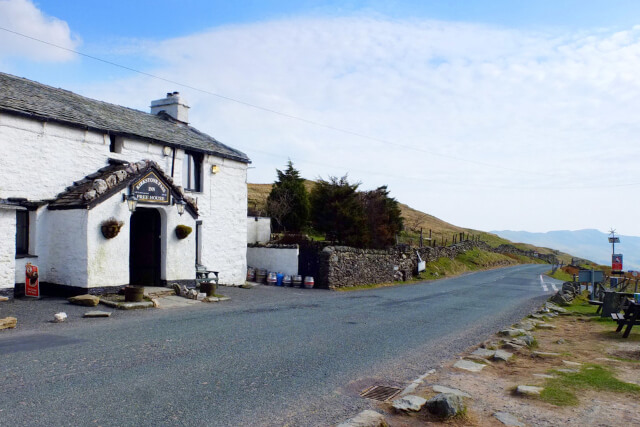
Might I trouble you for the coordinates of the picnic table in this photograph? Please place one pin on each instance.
(629, 317)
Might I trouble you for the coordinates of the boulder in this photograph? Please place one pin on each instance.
(545, 326)
(554, 308)
(366, 418)
(86, 300)
(446, 405)
(8, 323)
(528, 340)
(409, 403)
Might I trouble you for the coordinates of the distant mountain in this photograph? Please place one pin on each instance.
(589, 244)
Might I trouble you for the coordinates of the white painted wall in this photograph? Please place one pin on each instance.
(39, 160)
(258, 229)
(63, 238)
(283, 260)
(7, 248)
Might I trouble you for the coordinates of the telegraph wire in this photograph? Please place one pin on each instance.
(270, 110)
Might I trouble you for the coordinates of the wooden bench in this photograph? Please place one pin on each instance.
(629, 318)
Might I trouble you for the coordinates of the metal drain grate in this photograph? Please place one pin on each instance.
(380, 392)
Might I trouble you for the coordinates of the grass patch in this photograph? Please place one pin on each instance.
(560, 275)
(560, 391)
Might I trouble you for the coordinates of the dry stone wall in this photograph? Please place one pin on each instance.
(341, 266)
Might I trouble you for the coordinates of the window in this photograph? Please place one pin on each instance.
(22, 232)
(115, 144)
(192, 171)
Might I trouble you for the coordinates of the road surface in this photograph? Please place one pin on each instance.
(271, 356)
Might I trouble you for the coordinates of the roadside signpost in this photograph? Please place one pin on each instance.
(616, 259)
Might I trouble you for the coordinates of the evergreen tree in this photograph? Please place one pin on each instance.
(288, 202)
(383, 217)
(337, 211)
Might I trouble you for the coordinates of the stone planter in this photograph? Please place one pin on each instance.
(133, 293)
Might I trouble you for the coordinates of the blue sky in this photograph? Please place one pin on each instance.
(487, 114)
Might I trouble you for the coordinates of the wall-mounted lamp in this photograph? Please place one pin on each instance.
(132, 201)
(180, 204)
(166, 150)
(215, 169)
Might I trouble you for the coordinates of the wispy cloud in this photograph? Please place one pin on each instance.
(24, 17)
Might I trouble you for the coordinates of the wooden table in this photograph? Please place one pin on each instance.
(629, 318)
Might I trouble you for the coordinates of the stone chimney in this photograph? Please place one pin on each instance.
(173, 105)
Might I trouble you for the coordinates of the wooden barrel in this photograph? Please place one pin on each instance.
(208, 288)
(296, 280)
(133, 293)
(308, 282)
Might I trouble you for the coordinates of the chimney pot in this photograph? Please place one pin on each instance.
(173, 105)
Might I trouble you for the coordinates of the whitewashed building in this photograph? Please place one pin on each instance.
(68, 164)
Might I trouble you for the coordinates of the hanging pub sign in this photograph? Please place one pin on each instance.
(31, 283)
(151, 189)
(616, 262)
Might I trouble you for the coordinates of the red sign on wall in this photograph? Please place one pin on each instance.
(616, 262)
(32, 282)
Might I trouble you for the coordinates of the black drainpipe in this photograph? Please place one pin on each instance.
(173, 161)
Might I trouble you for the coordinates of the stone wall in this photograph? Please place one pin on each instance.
(7, 249)
(341, 266)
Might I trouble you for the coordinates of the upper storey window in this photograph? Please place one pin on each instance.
(192, 171)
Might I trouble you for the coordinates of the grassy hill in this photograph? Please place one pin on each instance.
(413, 220)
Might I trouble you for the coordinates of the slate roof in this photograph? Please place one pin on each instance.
(33, 99)
(109, 180)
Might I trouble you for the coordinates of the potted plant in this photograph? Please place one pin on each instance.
(182, 231)
(111, 227)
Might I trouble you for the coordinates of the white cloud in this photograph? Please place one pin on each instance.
(552, 112)
(22, 16)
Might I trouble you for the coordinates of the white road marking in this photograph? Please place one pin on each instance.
(544, 285)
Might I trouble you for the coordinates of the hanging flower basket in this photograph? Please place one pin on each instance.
(182, 231)
(110, 228)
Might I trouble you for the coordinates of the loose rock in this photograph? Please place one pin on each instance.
(546, 326)
(97, 313)
(4, 299)
(502, 355)
(544, 354)
(409, 403)
(59, 317)
(512, 332)
(8, 323)
(444, 389)
(508, 419)
(86, 300)
(366, 418)
(529, 390)
(468, 366)
(446, 405)
(483, 352)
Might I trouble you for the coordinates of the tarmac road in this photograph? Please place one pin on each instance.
(271, 356)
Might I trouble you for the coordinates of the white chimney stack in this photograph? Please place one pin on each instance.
(173, 105)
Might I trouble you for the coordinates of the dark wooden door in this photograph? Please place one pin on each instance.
(144, 248)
